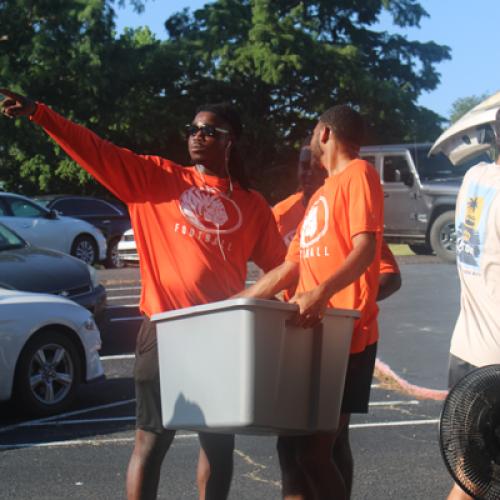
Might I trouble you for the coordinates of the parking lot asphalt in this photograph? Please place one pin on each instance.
(83, 453)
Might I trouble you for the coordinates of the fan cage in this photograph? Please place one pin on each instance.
(469, 433)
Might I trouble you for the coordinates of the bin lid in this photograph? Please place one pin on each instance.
(244, 303)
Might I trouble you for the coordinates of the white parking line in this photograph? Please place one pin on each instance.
(74, 442)
(121, 289)
(81, 442)
(394, 403)
(126, 318)
(105, 420)
(123, 297)
(86, 421)
(32, 423)
(56, 418)
(400, 423)
(117, 356)
(56, 422)
(94, 442)
(122, 306)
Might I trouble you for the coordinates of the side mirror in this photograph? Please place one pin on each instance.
(53, 214)
(397, 175)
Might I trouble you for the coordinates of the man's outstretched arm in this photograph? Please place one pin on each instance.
(118, 169)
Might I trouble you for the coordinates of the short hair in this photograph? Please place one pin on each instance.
(346, 123)
(226, 112)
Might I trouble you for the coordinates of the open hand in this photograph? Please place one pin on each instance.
(312, 307)
(15, 105)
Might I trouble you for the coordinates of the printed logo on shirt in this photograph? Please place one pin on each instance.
(210, 210)
(471, 225)
(203, 236)
(315, 223)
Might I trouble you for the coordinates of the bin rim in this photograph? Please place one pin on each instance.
(243, 303)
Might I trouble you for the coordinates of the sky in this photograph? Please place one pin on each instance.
(468, 28)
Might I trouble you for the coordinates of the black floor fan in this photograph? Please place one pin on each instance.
(469, 433)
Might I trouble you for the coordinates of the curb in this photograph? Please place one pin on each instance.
(119, 282)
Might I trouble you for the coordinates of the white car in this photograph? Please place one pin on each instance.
(48, 346)
(47, 229)
(127, 249)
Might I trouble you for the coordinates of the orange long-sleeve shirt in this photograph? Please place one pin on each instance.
(194, 238)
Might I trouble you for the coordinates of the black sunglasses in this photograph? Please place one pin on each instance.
(206, 130)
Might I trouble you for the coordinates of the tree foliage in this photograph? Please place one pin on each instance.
(464, 104)
(281, 62)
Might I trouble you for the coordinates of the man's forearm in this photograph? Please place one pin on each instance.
(352, 268)
(284, 276)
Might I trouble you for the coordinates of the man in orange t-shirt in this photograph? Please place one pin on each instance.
(290, 212)
(195, 227)
(335, 260)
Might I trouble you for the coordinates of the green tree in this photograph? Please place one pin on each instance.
(283, 62)
(464, 104)
(66, 53)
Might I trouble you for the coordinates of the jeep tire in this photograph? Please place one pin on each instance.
(443, 236)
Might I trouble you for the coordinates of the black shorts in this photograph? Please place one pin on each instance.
(457, 370)
(147, 380)
(358, 380)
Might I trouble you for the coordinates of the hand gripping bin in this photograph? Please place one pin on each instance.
(239, 366)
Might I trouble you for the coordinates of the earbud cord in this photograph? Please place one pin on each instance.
(198, 169)
(229, 191)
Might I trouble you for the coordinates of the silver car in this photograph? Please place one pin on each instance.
(47, 229)
(48, 346)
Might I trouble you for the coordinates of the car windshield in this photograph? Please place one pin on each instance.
(42, 201)
(9, 240)
(439, 167)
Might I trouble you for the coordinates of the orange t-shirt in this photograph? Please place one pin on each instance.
(194, 239)
(288, 214)
(348, 204)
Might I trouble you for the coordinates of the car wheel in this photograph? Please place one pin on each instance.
(48, 374)
(84, 248)
(113, 259)
(443, 236)
(421, 249)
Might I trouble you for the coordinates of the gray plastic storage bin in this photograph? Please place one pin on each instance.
(239, 366)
